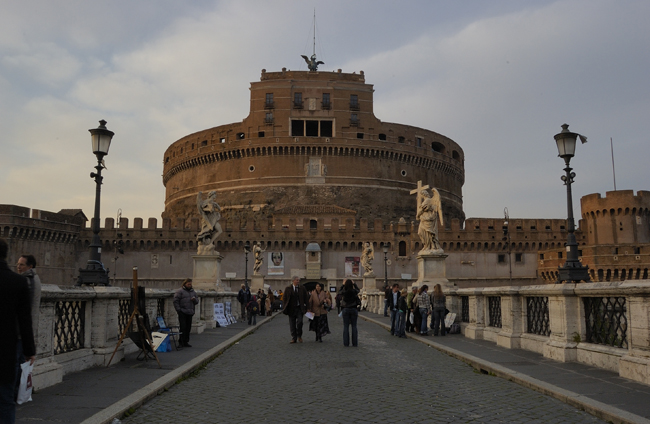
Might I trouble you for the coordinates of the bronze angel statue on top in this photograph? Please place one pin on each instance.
(312, 63)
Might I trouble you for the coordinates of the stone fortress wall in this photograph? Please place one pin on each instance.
(311, 138)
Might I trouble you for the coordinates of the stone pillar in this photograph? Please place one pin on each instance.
(47, 372)
(206, 272)
(105, 327)
(511, 319)
(565, 321)
(636, 364)
(369, 283)
(477, 310)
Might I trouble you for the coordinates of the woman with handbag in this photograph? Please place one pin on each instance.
(318, 304)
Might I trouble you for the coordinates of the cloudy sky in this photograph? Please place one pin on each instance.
(499, 77)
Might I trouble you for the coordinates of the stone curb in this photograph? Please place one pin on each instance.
(153, 389)
(593, 407)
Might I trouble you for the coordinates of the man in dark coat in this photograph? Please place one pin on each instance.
(185, 299)
(244, 296)
(14, 309)
(295, 305)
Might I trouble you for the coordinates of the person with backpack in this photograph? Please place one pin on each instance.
(349, 304)
(252, 309)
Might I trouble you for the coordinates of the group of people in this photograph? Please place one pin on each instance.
(19, 309)
(409, 311)
(298, 302)
(254, 305)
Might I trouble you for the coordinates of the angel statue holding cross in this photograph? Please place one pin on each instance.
(430, 216)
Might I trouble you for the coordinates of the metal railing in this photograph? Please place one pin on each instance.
(606, 321)
(464, 308)
(69, 326)
(494, 311)
(537, 316)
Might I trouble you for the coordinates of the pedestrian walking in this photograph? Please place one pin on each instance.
(252, 309)
(295, 299)
(318, 304)
(410, 327)
(349, 303)
(402, 311)
(392, 307)
(424, 306)
(438, 301)
(26, 266)
(15, 319)
(244, 296)
(185, 300)
(261, 297)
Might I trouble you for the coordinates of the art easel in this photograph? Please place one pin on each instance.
(145, 337)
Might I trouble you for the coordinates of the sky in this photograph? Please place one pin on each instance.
(499, 77)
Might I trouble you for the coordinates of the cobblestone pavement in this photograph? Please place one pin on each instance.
(263, 378)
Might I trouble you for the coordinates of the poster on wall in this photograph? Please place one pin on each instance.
(276, 263)
(352, 266)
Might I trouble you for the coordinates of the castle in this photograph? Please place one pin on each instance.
(312, 166)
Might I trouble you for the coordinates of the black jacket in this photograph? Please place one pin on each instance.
(392, 306)
(14, 308)
(290, 303)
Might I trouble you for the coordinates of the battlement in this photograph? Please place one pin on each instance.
(620, 202)
(334, 233)
(34, 224)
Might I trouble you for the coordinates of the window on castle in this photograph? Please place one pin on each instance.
(297, 128)
(222, 140)
(354, 102)
(260, 134)
(360, 135)
(313, 224)
(204, 143)
(326, 129)
(354, 120)
(402, 248)
(240, 136)
(418, 141)
(167, 159)
(311, 128)
(560, 255)
(519, 257)
(501, 259)
(400, 139)
(297, 100)
(438, 147)
(326, 105)
(269, 101)
(382, 137)
(541, 256)
(268, 119)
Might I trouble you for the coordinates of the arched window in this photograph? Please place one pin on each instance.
(313, 224)
(402, 248)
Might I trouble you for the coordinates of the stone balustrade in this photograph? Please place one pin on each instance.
(606, 325)
(79, 327)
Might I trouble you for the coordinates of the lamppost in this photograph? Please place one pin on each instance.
(95, 273)
(385, 249)
(573, 270)
(247, 249)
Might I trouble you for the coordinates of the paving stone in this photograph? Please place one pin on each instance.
(386, 379)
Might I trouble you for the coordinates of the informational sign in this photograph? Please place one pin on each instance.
(352, 266)
(219, 314)
(276, 263)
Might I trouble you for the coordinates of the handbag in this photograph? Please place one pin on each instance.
(411, 317)
(25, 388)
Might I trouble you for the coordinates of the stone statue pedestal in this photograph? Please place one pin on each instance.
(432, 270)
(206, 272)
(369, 282)
(257, 282)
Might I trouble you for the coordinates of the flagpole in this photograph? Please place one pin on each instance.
(611, 142)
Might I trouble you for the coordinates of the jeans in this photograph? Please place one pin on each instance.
(425, 313)
(7, 403)
(350, 316)
(243, 311)
(393, 321)
(401, 323)
(438, 320)
(253, 317)
(385, 307)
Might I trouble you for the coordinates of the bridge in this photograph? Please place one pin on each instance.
(239, 373)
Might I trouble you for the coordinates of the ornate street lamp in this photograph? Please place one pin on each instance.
(95, 274)
(247, 249)
(385, 249)
(506, 238)
(573, 270)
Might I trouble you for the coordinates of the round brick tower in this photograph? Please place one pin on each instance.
(311, 138)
